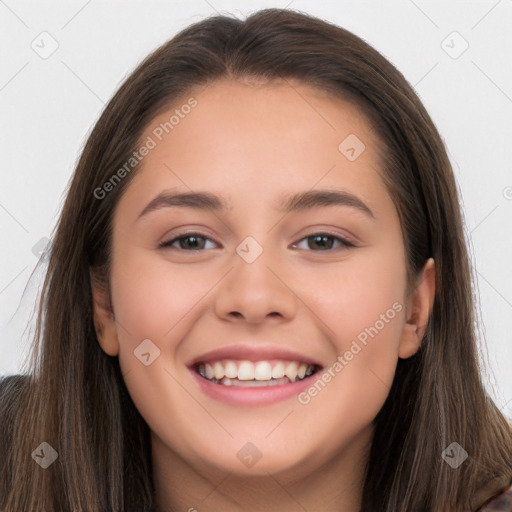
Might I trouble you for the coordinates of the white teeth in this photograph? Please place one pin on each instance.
(237, 373)
(218, 370)
(291, 371)
(246, 371)
(231, 370)
(262, 371)
(278, 371)
(254, 383)
(208, 369)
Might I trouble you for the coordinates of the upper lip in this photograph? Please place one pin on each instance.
(253, 353)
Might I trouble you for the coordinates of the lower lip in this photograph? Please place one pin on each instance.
(237, 395)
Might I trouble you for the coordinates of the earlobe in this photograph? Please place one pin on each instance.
(104, 322)
(421, 304)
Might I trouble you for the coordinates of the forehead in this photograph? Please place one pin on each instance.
(275, 111)
(251, 140)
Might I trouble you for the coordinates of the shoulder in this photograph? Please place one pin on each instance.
(11, 386)
(500, 502)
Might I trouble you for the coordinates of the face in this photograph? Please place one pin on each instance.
(259, 286)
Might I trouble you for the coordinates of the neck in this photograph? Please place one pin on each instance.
(335, 485)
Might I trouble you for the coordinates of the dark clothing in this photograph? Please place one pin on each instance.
(501, 502)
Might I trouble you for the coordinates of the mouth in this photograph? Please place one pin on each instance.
(251, 374)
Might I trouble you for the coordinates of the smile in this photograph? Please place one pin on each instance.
(245, 373)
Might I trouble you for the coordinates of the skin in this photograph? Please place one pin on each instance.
(253, 144)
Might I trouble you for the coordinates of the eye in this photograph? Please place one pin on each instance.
(320, 242)
(325, 242)
(187, 242)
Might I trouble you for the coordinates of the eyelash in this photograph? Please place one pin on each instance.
(345, 244)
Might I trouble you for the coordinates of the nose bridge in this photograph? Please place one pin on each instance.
(254, 288)
(253, 264)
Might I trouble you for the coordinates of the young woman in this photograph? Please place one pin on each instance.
(258, 295)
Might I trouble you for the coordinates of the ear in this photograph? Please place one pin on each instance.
(418, 311)
(104, 322)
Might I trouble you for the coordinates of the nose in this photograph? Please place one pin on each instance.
(253, 292)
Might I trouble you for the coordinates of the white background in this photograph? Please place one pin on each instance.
(48, 107)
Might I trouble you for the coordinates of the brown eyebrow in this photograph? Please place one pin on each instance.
(300, 201)
(199, 200)
(315, 198)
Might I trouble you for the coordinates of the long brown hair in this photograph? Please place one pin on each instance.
(75, 398)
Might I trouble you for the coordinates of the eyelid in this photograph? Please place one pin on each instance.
(190, 230)
(168, 242)
(346, 242)
(335, 233)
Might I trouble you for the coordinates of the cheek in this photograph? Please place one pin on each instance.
(157, 301)
(351, 295)
(361, 306)
(152, 297)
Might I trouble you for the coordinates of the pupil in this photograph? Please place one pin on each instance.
(194, 243)
(322, 239)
